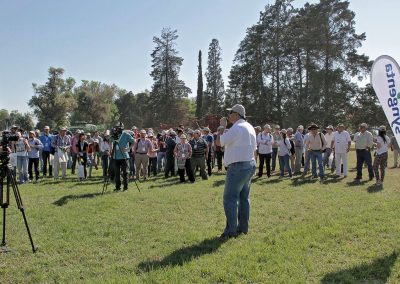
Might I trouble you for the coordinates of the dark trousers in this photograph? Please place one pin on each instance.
(152, 166)
(274, 158)
(219, 155)
(105, 160)
(46, 159)
(120, 166)
(35, 163)
(132, 170)
(73, 166)
(364, 156)
(267, 159)
(209, 163)
(170, 165)
(84, 161)
(188, 168)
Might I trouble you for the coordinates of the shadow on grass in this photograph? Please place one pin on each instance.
(183, 255)
(165, 184)
(300, 181)
(356, 183)
(65, 199)
(376, 272)
(218, 183)
(374, 188)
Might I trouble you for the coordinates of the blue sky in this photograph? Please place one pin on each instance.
(111, 41)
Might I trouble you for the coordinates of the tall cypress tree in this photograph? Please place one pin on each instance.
(199, 98)
(215, 90)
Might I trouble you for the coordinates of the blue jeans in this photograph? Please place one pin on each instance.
(306, 161)
(326, 156)
(22, 165)
(284, 162)
(160, 161)
(236, 196)
(316, 156)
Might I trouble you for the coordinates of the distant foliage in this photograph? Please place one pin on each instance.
(299, 65)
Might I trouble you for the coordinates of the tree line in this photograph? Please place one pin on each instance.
(294, 66)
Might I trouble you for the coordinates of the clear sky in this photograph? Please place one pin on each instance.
(111, 41)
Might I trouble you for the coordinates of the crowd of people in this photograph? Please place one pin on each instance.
(184, 152)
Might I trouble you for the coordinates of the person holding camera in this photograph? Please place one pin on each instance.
(240, 145)
(120, 155)
(22, 148)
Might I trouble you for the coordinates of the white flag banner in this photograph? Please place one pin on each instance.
(385, 79)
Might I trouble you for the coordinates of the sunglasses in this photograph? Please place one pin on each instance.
(232, 112)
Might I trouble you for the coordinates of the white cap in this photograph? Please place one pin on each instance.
(238, 109)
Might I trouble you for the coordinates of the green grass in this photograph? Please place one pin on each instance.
(301, 231)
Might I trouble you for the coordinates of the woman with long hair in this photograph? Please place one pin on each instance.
(381, 156)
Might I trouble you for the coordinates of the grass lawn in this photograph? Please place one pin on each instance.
(301, 231)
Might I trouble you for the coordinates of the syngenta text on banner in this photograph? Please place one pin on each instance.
(385, 79)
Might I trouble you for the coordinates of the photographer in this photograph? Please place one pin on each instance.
(120, 155)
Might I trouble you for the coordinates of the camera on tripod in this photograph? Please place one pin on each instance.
(6, 138)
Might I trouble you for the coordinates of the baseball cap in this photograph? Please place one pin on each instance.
(238, 109)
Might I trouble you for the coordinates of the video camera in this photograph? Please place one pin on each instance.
(116, 131)
(6, 138)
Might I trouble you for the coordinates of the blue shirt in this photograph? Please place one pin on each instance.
(36, 146)
(46, 141)
(122, 143)
(298, 137)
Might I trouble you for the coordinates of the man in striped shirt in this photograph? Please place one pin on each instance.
(199, 154)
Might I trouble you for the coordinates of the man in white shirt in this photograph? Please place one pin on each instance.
(341, 143)
(240, 144)
(363, 142)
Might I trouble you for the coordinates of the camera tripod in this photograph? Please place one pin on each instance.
(107, 181)
(7, 176)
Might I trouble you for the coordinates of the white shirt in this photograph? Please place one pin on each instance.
(328, 139)
(384, 146)
(104, 146)
(264, 142)
(284, 147)
(239, 142)
(341, 141)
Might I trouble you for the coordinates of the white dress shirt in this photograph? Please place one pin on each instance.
(340, 141)
(328, 138)
(239, 142)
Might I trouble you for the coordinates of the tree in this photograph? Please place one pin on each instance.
(23, 120)
(53, 101)
(215, 91)
(95, 103)
(4, 119)
(199, 98)
(167, 89)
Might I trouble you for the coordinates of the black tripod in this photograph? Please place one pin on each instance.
(7, 176)
(107, 181)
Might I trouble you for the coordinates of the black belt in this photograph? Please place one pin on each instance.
(141, 153)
